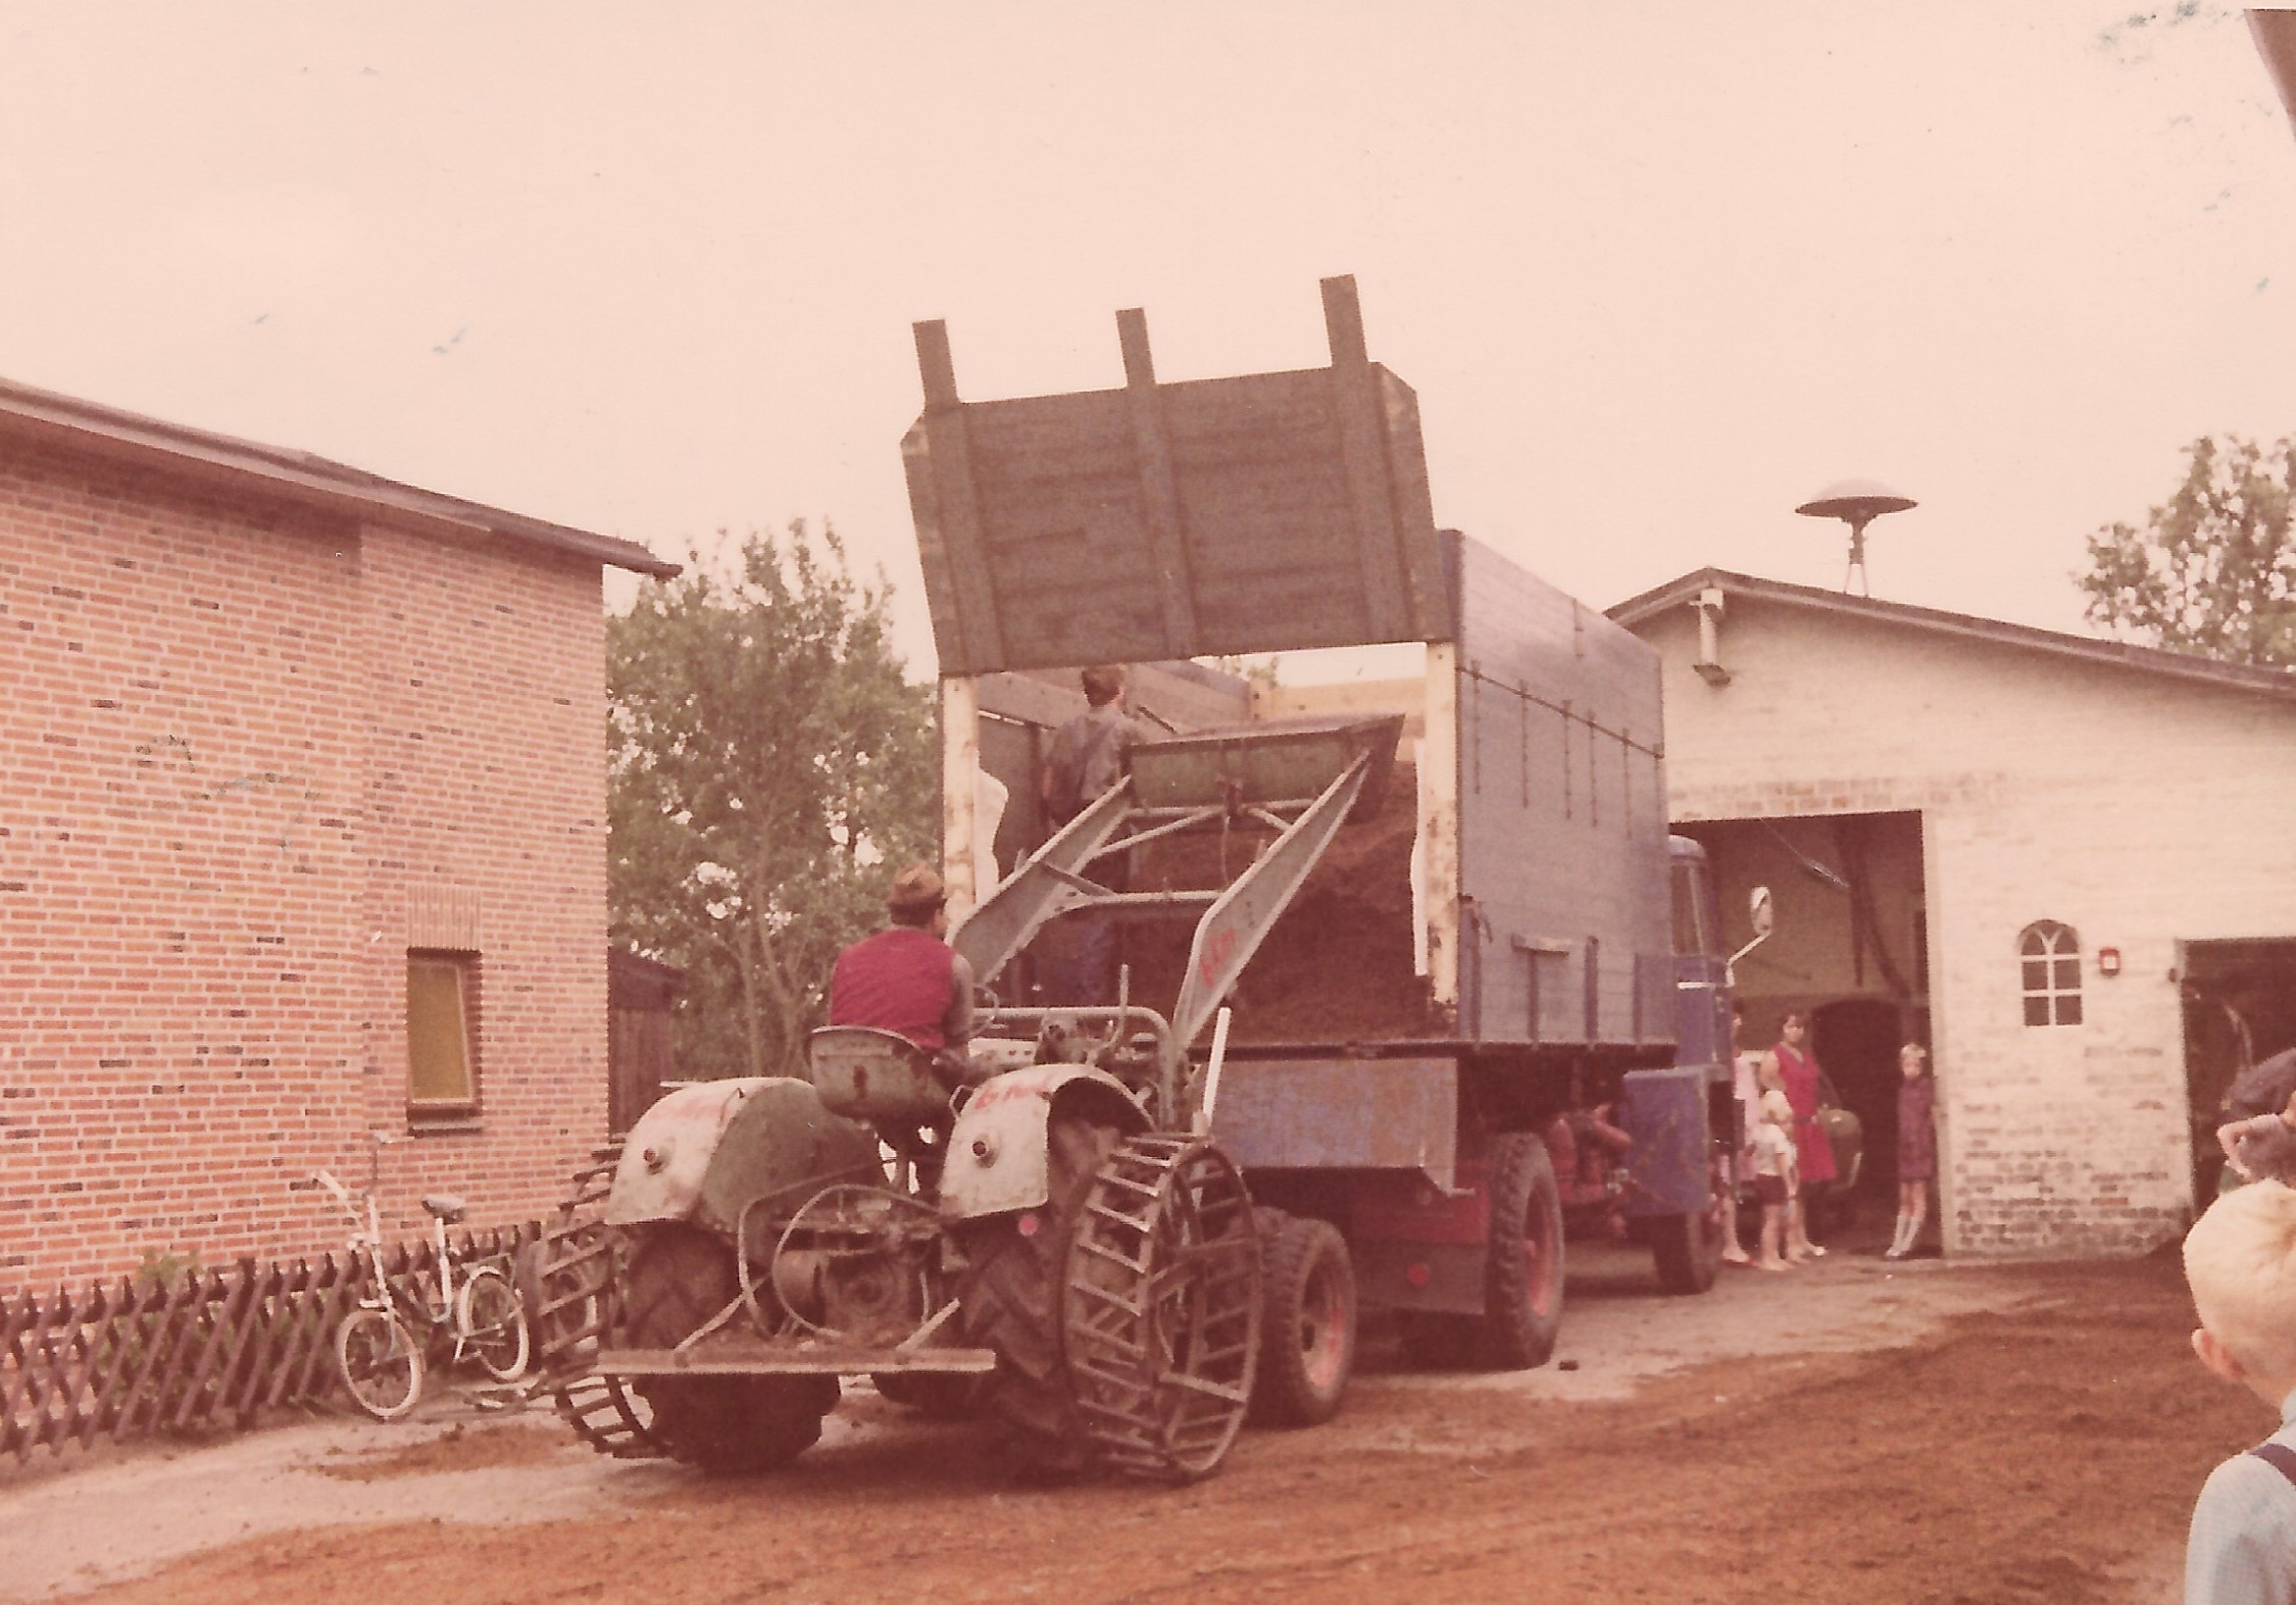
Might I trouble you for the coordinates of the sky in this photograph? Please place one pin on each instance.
(1657, 273)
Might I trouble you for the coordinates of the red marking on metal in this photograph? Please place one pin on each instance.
(1005, 1088)
(1417, 1276)
(1217, 952)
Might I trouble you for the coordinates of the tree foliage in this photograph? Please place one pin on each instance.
(2213, 571)
(768, 761)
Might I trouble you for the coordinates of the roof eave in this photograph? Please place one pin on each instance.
(2113, 654)
(148, 444)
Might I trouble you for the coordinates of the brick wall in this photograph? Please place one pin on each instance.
(2136, 808)
(246, 746)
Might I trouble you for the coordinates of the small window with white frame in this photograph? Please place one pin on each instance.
(2049, 954)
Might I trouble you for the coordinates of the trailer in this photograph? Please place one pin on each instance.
(1530, 959)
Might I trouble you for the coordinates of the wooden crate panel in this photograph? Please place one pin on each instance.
(1260, 513)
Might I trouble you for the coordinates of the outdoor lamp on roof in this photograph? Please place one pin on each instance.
(1857, 503)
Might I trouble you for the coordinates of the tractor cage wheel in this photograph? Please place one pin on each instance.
(569, 1284)
(1161, 1310)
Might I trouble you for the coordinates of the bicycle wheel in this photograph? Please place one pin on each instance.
(380, 1363)
(493, 1323)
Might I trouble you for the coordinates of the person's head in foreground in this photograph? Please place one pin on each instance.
(2240, 1261)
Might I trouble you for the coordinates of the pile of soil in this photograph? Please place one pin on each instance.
(1336, 968)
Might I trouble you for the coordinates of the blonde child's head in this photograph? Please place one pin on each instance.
(2240, 1260)
(1914, 1060)
(1776, 1110)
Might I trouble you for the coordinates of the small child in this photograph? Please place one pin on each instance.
(1777, 1170)
(2240, 1260)
(1917, 1148)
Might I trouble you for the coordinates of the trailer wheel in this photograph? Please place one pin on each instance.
(1308, 1321)
(1523, 1267)
(1687, 1249)
(678, 1279)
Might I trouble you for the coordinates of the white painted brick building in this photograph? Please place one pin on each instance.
(1967, 781)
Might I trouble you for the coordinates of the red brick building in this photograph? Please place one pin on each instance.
(301, 836)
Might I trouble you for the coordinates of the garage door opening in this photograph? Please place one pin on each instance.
(2239, 1001)
(1852, 952)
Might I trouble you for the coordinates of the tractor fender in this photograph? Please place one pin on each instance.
(999, 1151)
(704, 1151)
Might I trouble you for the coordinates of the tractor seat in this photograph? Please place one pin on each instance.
(449, 1210)
(871, 1074)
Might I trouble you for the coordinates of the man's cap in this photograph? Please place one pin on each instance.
(916, 889)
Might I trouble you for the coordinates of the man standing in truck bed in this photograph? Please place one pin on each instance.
(1089, 756)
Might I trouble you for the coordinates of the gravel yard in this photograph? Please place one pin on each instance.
(1853, 1432)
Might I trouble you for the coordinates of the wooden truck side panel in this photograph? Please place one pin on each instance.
(1565, 929)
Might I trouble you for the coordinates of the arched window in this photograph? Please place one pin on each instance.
(2050, 953)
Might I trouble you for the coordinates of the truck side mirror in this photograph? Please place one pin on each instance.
(1765, 917)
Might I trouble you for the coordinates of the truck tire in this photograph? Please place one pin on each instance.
(1306, 1323)
(1522, 1272)
(1687, 1249)
(1011, 1297)
(679, 1278)
(1523, 1266)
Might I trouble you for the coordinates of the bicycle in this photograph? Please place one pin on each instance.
(377, 1353)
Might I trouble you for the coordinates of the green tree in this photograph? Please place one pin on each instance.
(2213, 571)
(768, 761)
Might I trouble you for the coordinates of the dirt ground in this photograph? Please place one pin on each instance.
(1853, 1432)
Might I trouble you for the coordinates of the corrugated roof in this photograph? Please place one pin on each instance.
(42, 416)
(2149, 660)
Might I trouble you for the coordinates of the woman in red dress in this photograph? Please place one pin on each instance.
(1797, 1074)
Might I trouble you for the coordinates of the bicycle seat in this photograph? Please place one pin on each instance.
(449, 1210)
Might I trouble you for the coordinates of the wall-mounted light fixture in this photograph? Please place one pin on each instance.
(2108, 961)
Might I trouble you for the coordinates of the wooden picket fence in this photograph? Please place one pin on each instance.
(191, 1350)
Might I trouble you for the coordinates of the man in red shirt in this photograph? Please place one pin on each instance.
(906, 978)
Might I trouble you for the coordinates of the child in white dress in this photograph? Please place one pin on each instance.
(1777, 1169)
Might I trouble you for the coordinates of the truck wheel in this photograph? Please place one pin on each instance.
(1687, 1249)
(1307, 1323)
(1010, 1301)
(1523, 1266)
(678, 1279)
